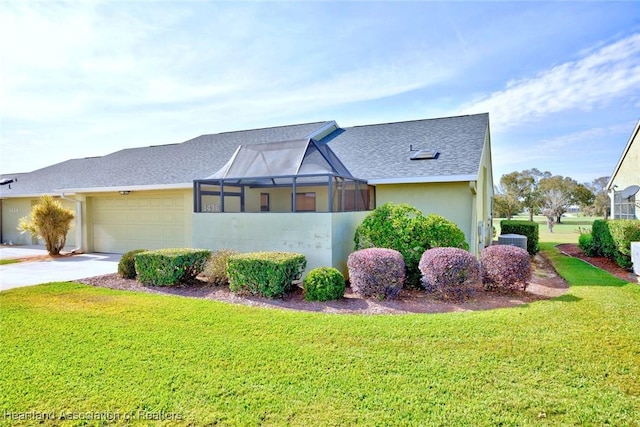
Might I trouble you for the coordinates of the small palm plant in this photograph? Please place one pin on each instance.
(50, 221)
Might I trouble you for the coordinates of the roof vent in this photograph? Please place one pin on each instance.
(425, 155)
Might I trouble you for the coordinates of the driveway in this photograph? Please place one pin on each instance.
(28, 273)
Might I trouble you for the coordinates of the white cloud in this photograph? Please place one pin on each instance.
(607, 74)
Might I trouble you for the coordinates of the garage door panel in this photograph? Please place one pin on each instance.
(131, 222)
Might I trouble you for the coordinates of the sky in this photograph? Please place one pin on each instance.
(560, 80)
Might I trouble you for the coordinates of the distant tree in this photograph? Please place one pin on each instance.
(558, 193)
(505, 205)
(50, 221)
(583, 196)
(601, 204)
(551, 218)
(525, 186)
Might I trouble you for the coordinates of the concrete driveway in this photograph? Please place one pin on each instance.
(28, 273)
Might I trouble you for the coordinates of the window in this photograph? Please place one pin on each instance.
(624, 208)
(425, 155)
(264, 202)
(305, 202)
(363, 201)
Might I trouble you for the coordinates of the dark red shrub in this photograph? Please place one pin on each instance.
(453, 273)
(376, 272)
(505, 267)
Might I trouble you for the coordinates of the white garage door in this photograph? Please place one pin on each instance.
(124, 223)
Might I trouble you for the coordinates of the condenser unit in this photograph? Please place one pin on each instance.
(513, 240)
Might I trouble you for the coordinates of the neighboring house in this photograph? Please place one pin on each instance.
(301, 188)
(624, 183)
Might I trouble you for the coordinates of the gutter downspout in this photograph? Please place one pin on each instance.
(78, 223)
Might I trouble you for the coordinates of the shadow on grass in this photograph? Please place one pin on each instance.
(567, 298)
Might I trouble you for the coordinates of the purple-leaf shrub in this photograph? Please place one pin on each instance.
(505, 267)
(376, 272)
(453, 273)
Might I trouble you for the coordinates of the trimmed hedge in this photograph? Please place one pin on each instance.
(585, 243)
(524, 228)
(505, 267)
(324, 284)
(215, 270)
(612, 239)
(602, 241)
(168, 267)
(127, 264)
(404, 228)
(623, 232)
(453, 273)
(376, 272)
(266, 274)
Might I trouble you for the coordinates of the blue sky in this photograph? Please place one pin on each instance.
(561, 80)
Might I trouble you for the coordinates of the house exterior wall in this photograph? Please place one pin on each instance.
(484, 197)
(452, 200)
(343, 230)
(324, 238)
(627, 173)
(12, 211)
(16, 208)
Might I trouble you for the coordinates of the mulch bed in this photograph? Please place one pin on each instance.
(544, 284)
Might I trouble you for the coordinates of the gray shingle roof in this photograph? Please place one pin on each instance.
(162, 165)
(373, 152)
(382, 152)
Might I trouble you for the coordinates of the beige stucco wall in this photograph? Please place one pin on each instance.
(454, 201)
(484, 197)
(326, 239)
(343, 229)
(629, 171)
(14, 209)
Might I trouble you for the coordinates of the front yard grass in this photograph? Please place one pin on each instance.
(70, 349)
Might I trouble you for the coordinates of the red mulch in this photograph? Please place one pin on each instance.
(597, 261)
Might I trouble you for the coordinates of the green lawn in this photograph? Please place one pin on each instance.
(567, 231)
(79, 351)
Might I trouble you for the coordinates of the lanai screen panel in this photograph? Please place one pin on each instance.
(262, 160)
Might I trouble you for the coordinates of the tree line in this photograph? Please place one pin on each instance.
(550, 195)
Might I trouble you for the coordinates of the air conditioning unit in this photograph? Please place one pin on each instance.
(513, 240)
(635, 258)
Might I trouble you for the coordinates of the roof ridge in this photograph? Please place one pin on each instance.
(419, 120)
(266, 128)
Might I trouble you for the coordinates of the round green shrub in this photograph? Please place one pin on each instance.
(215, 270)
(127, 264)
(452, 273)
(376, 272)
(323, 284)
(442, 233)
(404, 228)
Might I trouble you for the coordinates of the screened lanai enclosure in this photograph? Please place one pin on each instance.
(287, 176)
